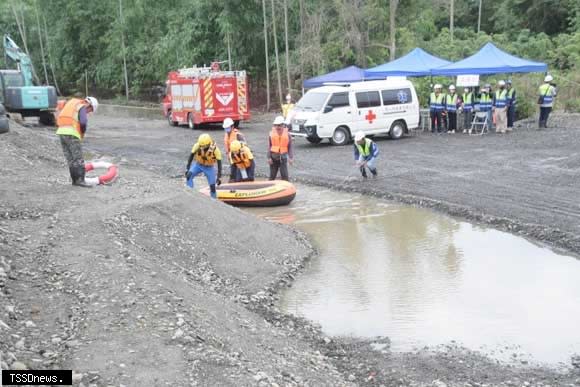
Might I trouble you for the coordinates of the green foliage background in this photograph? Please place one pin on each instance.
(329, 34)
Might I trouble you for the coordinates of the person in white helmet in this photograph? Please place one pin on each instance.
(500, 106)
(436, 107)
(287, 107)
(451, 104)
(72, 124)
(547, 93)
(231, 133)
(280, 151)
(365, 154)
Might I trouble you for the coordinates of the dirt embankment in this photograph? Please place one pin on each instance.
(142, 283)
(145, 283)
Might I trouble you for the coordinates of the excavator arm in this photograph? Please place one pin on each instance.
(23, 63)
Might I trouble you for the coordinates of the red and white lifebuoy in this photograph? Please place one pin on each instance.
(107, 178)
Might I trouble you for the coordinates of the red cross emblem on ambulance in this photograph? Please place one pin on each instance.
(370, 117)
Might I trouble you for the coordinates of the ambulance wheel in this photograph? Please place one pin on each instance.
(170, 118)
(313, 140)
(192, 125)
(237, 123)
(341, 136)
(397, 130)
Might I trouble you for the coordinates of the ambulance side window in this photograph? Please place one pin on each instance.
(338, 100)
(397, 96)
(368, 99)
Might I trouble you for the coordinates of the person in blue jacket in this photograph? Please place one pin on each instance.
(365, 154)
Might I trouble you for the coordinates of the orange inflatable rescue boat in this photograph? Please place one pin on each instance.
(267, 193)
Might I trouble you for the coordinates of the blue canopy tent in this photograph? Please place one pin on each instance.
(349, 74)
(417, 63)
(490, 60)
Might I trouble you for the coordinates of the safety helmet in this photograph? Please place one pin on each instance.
(235, 146)
(359, 136)
(288, 97)
(437, 86)
(509, 81)
(228, 123)
(466, 89)
(93, 102)
(548, 78)
(204, 140)
(501, 82)
(451, 87)
(487, 86)
(279, 120)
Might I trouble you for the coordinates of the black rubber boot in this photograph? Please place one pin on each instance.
(79, 180)
(374, 172)
(363, 172)
(73, 175)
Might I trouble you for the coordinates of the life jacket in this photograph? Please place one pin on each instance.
(279, 141)
(68, 118)
(500, 98)
(243, 158)
(206, 156)
(468, 102)
(229, 137)
(436, 102)
(451, 102)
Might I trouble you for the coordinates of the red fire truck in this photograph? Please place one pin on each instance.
(204, 95)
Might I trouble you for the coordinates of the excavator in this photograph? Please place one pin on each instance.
(18, 93)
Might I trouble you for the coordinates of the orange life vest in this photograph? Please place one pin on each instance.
(206, 156)
(241, 159)
(68, 118)
(279, 141)
(228, 138)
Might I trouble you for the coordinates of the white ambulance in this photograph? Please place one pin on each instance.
(337, 112)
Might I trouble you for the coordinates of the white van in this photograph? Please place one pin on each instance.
(337, 112)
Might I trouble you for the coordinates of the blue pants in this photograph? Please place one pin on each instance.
(208, 171)
(511, 116)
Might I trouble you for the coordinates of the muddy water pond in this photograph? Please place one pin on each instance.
(425, 279)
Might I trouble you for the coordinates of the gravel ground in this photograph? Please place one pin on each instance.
(146, 283)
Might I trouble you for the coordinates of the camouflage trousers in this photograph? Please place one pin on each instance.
(73, 152)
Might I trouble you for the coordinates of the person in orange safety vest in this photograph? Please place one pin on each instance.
(280, 150)
(72, 125)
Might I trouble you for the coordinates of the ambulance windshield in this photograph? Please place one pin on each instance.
(312, 101)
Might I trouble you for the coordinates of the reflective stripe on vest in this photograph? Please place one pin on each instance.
(500, 98)
(279, 141)
(206, 156)
(546, 91)
(467, 102)
(511, 96)
(485, 102)
(366, 151)
(68, 119)
(436, 102)
(241, 159)
(451, 102)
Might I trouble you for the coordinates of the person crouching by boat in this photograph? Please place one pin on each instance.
(206, 154)
(241, 156)
(365, 154)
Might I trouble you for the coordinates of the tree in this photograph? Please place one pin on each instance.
(393, 4)
(266, 56)
(276, 52)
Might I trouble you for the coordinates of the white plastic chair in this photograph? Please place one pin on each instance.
(480, 123)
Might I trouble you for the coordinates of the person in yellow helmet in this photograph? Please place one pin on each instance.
(241, 156)
(206, 154)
